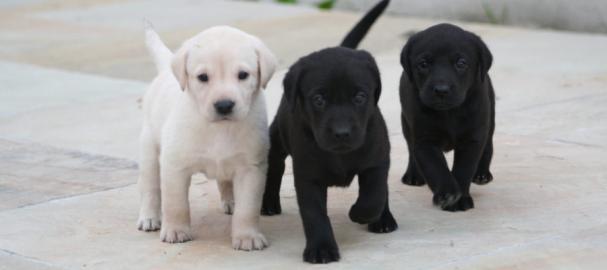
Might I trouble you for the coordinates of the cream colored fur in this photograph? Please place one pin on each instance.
(183, 135)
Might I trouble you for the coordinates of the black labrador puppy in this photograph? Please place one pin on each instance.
(329, 122)
(448, 103)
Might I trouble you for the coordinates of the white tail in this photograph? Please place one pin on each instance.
(161, 54)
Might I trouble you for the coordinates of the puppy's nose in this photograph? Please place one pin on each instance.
(342, 133)
(224, 107)
(441, 90)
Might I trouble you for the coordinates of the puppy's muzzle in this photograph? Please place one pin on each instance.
(224, 107)
(341, 138)
(441, 90)
(342, 133)
(440, 96)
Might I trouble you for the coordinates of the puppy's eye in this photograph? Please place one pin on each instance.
(318, 100)
(423, 65)
(461, 63)
(243, 75)
(203, 77)
(360, 98)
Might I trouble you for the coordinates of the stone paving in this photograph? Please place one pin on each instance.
(71, 74)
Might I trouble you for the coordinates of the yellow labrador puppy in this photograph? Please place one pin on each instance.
(205, 112)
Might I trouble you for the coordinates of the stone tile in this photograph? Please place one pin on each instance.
(11, 261)
(28, 88)
(525, 204)
(580, 250)
(70, 110)
(32, 174)
(170, 15)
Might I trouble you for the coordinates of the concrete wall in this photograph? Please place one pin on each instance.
(581, 15)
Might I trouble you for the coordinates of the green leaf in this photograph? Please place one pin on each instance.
(326, 4)
(287, 1)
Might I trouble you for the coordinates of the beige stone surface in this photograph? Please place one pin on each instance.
(32, 174)
(71, 73)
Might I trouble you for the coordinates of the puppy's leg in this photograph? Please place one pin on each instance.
(320, 242)
(149, 184)
(227, 195)
(372, 191)
(465, 162)
(276, 169)
(248, 187)
(433, 167)
(411, 176)
(175, 184)
(386, 222)
(483, 174)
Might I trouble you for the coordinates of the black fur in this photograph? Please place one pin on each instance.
(448, 103)
(362, 27)
(329, 122)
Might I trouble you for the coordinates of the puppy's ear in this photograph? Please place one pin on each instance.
(485, 59)
(178, 65)
(405, 60)
(372, 65)
(291, 84)
(266, 63)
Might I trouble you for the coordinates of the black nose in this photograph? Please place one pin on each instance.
(342, 133)
(441, 90)
(224, 107)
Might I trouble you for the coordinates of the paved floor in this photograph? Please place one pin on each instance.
(71, 74)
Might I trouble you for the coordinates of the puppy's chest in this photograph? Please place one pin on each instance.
(448, 130)
(220, 157)
(339, 172)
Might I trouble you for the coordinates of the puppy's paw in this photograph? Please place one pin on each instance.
(365, 214)
(228, 207)
(270, 206)
(148, 224)
(322, 253)
(463, 204)
(482, 177)
(444, 200)
(175, 234)
(385, 224)
(411, 178)
(249, 241)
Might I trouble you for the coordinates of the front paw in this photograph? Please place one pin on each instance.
(249, 241)
(482, 177)
(321, 253)
(412, 178)
(365, 214)
(148, 224)
(463, 204)
(446, 199)
(385, 224)
(175, 234)
(270, 206)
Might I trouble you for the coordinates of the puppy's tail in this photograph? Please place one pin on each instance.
(161, 54)
(359, 31)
